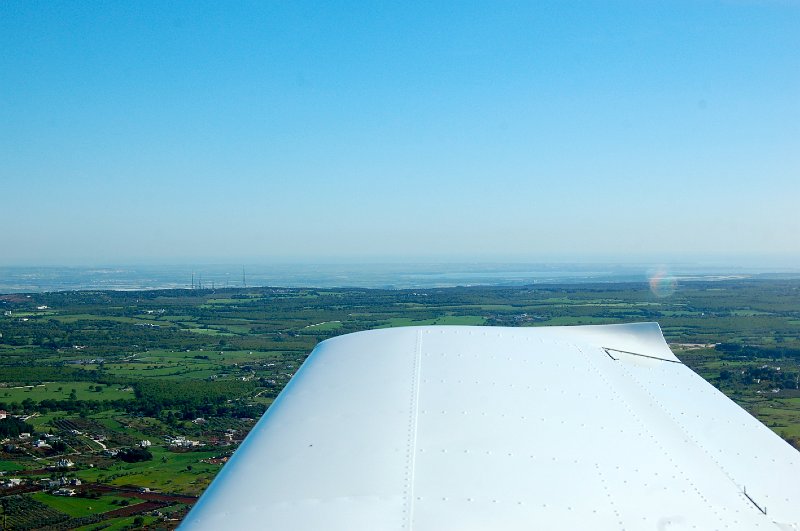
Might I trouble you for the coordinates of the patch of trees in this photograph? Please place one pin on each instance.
(153, 396)
(735, 351)
(12, 427)
(765, 376)
(36, 374)
(59, 446)
(135, 455)
(70, 406)
(188, 398)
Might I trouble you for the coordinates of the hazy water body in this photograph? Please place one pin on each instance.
(393, 276)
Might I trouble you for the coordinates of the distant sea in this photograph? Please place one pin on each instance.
(386, 276)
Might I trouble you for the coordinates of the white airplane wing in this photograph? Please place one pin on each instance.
(487, 428)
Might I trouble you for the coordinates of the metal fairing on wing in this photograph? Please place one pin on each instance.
(487, 428)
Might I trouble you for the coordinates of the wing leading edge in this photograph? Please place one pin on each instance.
(432, 428)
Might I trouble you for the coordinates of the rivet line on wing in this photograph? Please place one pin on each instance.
(413, 422)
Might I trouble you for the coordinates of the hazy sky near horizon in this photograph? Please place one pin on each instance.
(166, 132)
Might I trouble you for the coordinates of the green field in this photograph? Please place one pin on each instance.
(465, 320)
(74, 506)
(63, 391)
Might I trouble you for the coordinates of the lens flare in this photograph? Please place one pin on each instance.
(662, 284)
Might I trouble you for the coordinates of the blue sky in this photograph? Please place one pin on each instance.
(171, 132)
